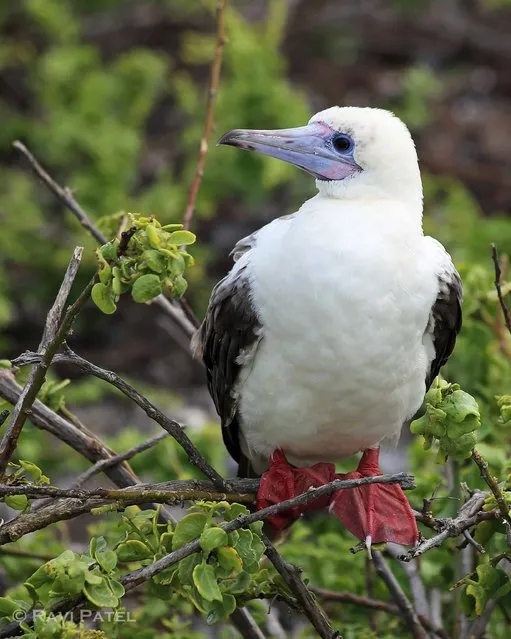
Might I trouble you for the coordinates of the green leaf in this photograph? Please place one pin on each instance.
(133, 550)
(146, 288)
(182, 238)
(5, 363)
(186, 567)
(43, 575)
(109, 250)
(212, 538)
(179, 286)
(491, 583)
(245, 550)
(204, 579)
(218, 610)
(8, 607)
(229, 561)
(154, 260)
(93, 577)
(236, 585)
(101, 595)
(34, 471)
(188, 529)
(103, 298)
(107, 559)
(17, 502)
(153, 236)
(166, 541)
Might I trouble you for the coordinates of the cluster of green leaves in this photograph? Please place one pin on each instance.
(21, 474)
(149, 261)
(451, 417)
(224, 574)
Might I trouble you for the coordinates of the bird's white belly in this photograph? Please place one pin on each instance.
(342, 362)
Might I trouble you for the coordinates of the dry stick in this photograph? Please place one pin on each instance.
(170, 492)
(171, 426)
(117, 459)
(498, 275)
(54, 334)
(137, 577)
(468, 516)
(214, 78)
(402, 601)
(374, 604)
(181, 318)
(291, 576)
(492, 484)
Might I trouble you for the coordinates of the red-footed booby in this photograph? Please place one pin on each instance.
(333, 322)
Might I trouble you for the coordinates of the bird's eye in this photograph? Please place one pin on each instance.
(342, 142)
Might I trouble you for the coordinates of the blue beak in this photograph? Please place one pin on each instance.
(307, 147)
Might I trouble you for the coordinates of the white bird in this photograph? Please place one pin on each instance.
(333, 322)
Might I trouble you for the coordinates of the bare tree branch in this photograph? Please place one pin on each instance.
(83, 442)
(214, 78)
(291, 576)
(246, 625)
(402, 601)
(498, 275)
(103, 464)
(171, 426)
(468, 516)
(374, 604)
(55, 332)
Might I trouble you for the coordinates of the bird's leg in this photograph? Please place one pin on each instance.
(375, 513)
(282, 481)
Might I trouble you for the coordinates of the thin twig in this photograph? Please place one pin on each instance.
(291, 576)
(117, 459)
(170, 425)
(492, 484)
(214, 78)
(374, 604)
(402, 601)
(184, 319)
(498, 275)
(55, 332)
(63, 194)
(469, 515)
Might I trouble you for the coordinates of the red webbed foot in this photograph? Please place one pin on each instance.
(374, 513)
(377, 512)
(282, 481)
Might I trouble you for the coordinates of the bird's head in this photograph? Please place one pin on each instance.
(352, 152)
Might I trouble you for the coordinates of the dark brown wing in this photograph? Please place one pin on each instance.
(445, 319)
(227, 341)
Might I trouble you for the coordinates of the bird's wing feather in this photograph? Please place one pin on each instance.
(445, 318)
(227, 341)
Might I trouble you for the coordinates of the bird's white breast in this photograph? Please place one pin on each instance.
(344, 292)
